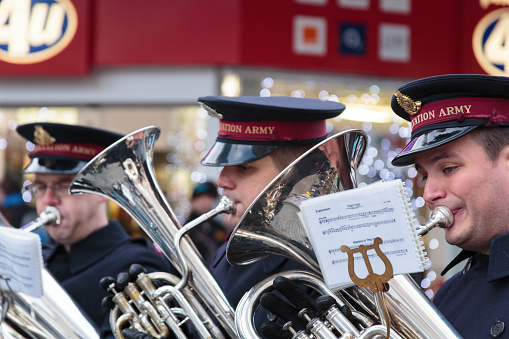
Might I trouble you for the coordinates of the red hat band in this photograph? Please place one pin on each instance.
(83, 151)
(272, 130)
(493, 110)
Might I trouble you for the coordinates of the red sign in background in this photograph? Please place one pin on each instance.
(72, 60)
(261, 33)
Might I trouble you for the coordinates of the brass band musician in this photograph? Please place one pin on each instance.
(460, 147)
(88, 245)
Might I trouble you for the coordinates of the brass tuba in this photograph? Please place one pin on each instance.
(123, 172)
(271, 226)
(52, 316)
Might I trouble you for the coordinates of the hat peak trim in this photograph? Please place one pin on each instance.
(212, 112)
(42, 137)
(408, 104)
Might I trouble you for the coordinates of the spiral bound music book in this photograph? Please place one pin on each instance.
(20, 261)
(356, 217)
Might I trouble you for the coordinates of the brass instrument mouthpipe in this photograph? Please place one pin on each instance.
(49, 216)
(225, 205)
(441, 216)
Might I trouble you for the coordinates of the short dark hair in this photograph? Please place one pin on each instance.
(285, 155)
(492, 139)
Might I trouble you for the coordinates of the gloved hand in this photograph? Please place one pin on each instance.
(288, 310)
(131, 333)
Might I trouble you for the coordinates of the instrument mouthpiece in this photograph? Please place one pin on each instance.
(226, 205)
(50, 216)
(441, 216)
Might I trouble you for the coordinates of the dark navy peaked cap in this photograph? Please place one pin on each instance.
(251, 128)
(63, 149)
(446, 107)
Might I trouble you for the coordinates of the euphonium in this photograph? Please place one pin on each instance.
(123, 172)
(271, 226)
(53, 316)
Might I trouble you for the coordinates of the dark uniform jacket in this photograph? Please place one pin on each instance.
(235, 281)
(108, 251)
(476, 300)
(207, 237)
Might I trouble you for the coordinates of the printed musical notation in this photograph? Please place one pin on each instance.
(350, 227)
(356, 217)
(20, 261)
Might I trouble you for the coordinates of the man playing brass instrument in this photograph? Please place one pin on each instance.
(460, 147)
(88, 245)
(258, 137)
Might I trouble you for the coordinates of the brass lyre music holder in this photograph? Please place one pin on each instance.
(375, 282)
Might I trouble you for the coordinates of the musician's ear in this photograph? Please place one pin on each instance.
(503, 158)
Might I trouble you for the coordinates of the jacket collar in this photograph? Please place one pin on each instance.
(499, 257)
(498, 266)
(464, 254)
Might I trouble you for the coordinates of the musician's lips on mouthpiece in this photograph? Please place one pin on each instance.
(455, 212)
(234, 208)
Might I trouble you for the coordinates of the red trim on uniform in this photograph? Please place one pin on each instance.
(493, 109)
(82, 151)
(227, 237)
(272, 130)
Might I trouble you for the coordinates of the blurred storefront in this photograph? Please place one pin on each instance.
(123, 65)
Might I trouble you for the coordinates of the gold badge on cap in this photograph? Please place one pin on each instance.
(212, 112)
(42, 137)
(410, 106)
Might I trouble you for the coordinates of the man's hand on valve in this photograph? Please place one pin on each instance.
(299, 311)
(116, 287)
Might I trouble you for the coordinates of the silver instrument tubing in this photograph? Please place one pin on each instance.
(49, 216)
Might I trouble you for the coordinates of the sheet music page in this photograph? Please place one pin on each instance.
(20, 261)
(356, 217)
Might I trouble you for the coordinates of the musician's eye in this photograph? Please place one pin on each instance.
(449, 170)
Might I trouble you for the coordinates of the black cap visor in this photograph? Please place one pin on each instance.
(428, 140)
(45, 165)
(230, 154)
